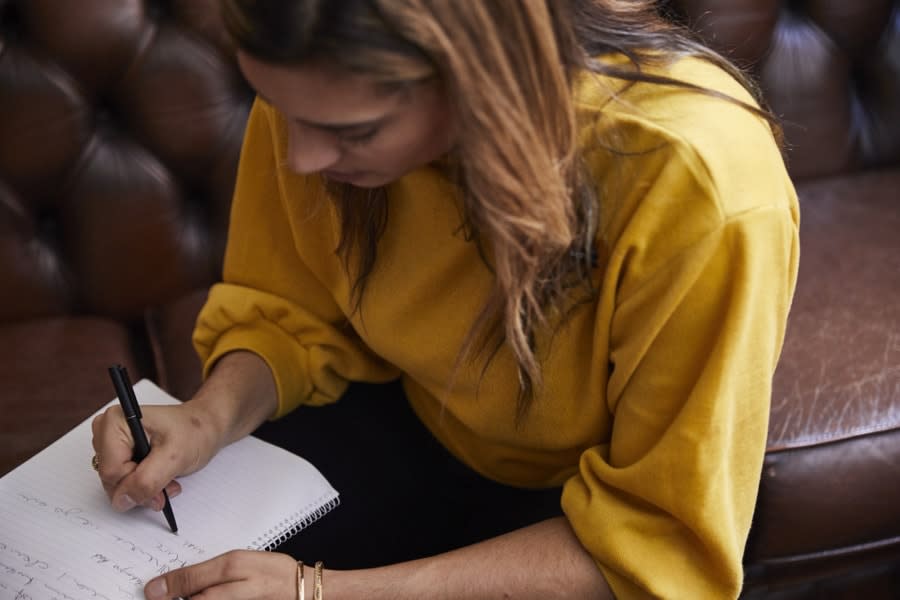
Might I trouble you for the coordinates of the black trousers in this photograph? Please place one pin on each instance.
(403, 496)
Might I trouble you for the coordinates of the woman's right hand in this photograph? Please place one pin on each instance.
(233, 401)
(181, 442)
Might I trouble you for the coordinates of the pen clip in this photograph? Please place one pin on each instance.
(125, 391)
(129, 389)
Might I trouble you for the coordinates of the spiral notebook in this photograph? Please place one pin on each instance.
(60, 538)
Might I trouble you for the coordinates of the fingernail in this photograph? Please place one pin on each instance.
(156, 589)
(123, 502)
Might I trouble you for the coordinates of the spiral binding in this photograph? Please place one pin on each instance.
(293, 524)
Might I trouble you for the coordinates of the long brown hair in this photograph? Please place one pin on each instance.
(507, 66)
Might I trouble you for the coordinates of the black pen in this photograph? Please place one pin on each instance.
(132, 410)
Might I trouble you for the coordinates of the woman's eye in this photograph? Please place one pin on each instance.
(359, 138)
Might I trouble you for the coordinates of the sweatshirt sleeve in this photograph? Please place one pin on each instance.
(696, 329)
(271, 302)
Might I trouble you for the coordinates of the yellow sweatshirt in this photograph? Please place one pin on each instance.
(654, 407)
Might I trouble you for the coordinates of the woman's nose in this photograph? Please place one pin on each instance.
(311, 151)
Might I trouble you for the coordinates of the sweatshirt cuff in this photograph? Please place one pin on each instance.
(289, 366)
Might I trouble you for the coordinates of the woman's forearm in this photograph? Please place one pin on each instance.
(540, 561)
(237, 397)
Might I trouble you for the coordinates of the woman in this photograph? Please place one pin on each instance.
(569, 232)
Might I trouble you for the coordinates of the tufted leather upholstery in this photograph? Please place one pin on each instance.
(829, 69)
(121, 124)
(120, 127)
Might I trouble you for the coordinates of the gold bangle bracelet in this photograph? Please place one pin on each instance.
(301, 591)
(317, 590)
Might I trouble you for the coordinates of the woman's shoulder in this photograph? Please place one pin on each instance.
(709, 99)
(631, 132)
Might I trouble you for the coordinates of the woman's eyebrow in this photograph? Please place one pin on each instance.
(332, 127)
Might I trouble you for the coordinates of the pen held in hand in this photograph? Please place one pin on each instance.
(132, 410)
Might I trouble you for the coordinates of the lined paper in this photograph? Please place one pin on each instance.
(61, 540)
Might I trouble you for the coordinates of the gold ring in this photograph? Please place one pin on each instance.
(95, 462)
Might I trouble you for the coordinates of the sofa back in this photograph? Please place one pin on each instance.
(120, 128)
(829, 70)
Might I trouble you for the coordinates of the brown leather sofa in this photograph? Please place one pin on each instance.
(120, 127)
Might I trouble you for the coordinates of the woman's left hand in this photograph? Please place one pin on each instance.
(234, 575)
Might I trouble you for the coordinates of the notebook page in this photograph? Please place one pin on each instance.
(60, 538)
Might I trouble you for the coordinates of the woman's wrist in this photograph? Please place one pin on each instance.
(310, 581)
(238, 396)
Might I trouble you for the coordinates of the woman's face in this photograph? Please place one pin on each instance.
(347, 127)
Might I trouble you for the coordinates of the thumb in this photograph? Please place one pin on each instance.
(145, 483)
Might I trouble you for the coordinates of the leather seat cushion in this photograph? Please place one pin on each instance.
(834, 440)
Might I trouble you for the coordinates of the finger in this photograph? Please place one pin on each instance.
(239, 574)
(145, 483)
(158, 501)
(173, 489)
(192, 580)
(113, 446)
(235, 590)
